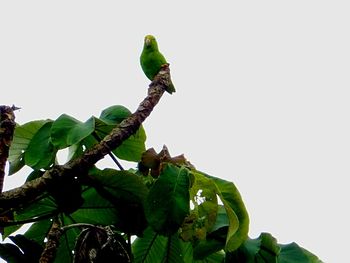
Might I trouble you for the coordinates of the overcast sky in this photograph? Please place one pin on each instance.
(262, 94)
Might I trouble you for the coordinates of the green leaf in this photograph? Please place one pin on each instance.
(75, 151)
(95, 209)
(168, 201)
(8, 230)
(115, 114)
(312, 258)
(67, 131)
(127, 192)
(40, 152)
(236, 212)
(34, 175)
(265, 249)
(222, 220)
(150, 248)
(22, 136)
(41, 208)
(45, 206)
(121, 184)
(132, 148)
(217, 257)
(255, 250)
(292, 253)
(205, 248)
(38, 231)
(154, 248)
(174, 250)
(16, 165)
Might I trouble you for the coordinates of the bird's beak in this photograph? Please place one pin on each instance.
(147, 41)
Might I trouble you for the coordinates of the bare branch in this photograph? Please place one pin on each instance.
(53, 241)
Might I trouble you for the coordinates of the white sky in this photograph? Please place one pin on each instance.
(262, 94)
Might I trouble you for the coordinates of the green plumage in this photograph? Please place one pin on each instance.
(152, 60)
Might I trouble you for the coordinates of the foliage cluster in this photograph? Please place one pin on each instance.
(162, 210)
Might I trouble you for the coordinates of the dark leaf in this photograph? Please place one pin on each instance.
(167, 204)
(11, 253)
(67, 241)
(30, 248)
(66, 190)
(38, 231)
(154, 248)
(127, 192)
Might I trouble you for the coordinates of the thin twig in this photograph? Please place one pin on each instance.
(80, 225)
(5, 223)
(115, 160)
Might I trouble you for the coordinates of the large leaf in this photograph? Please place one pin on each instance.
(38, 231)
(42, 207)
(22, 136)
(216, 239)
(95, 209)
(167, 204)
(154, 248)
(222, 220)
(292, 253)
(236, 212)
(121, 184)
(40, 152)
(132, 148)
(115, 114)
(127, 192)
(67, 131)
(265, 249)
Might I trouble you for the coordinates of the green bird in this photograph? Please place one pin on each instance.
(152, 60)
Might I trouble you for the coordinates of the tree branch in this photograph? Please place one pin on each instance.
(7, 127)
(53, 241)
(23, 194)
